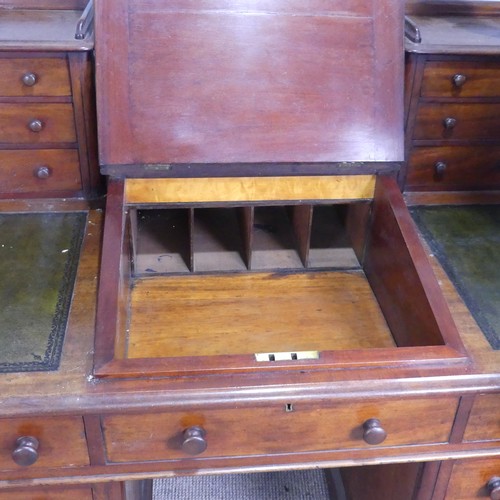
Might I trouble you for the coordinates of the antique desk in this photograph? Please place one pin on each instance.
(255, 295)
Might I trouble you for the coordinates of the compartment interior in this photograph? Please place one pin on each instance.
(252, 279)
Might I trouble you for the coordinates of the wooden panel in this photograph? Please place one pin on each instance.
(57, 123)
(482, 79)
(466, 168)
(253, 313)
(484, 420)
(473, 121)
(83, 492)
(62, 441)
(19, 169)
(277, 428)
(50, 75)
(271, 81)
(249, 189)
(469, 478)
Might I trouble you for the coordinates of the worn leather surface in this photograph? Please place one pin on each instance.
(39, 255)
(466, 241)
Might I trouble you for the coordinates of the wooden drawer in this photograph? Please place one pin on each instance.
(83, 492)
(36, 123)
(61, 442)
(26, 171)
(454, 167)
(278, 428)
(461, 78)
(457, 121)
(33, 77)
(484, 420)
(469, 479)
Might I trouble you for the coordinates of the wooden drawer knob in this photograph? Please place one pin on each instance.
(35, 125)
(43, 172)
(194, 441)
(26, 451)
(29, 79)
(449, 123)
(493, 487)
(459, 80)
(440, 169)
(373, 432)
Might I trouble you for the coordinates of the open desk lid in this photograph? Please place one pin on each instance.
(248, 81)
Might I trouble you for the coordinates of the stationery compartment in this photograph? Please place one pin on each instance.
(241, 282)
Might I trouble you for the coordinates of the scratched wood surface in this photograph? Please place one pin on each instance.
(251, 313)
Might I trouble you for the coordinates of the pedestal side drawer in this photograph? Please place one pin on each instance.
(461, 79)
(484, 420)
(457, 121)
(454, 167)
(37, 123)
(34, 77)
(278, 428)
(42, 442)
(23, 171)
(83, 492)
(475, 478)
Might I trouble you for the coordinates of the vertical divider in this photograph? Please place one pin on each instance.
(302, 223)
(246, 219)
(190, 231)
(134, 235)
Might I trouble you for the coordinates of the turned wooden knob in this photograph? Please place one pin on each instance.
(449, 123)
(194, 441)
(29, 79)
(26, 451)
(440, 169)
(43, 172)
(373, 432)
(493, 487)
(459, 80)
(35, 125)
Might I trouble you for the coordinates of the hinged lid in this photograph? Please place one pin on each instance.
(232, 81)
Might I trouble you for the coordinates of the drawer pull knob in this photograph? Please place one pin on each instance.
(26, 451)
(194, 441)
(440, 169)
(29, 79)
(373, 432)
(459, 80)
(493, 487)
(449, 123)
(43, 172)
(35, 125)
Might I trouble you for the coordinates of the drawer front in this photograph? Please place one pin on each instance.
(438, 121)
(61, 443)
(36, 123)
(277, 429)
(454, 167)
(34, 77)
(469, 479)
(23, 171)
(484, 420)
(461, 79)
(49, 493)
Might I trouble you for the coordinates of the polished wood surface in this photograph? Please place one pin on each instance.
(470, 477)
(53, 436)
(49, 493)
(23, 171)
(481, 78)
(245, 189)
(253, 313)
(484, 419)
(465, 167)
(304, 427)
(50, 77)
(262, 79)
